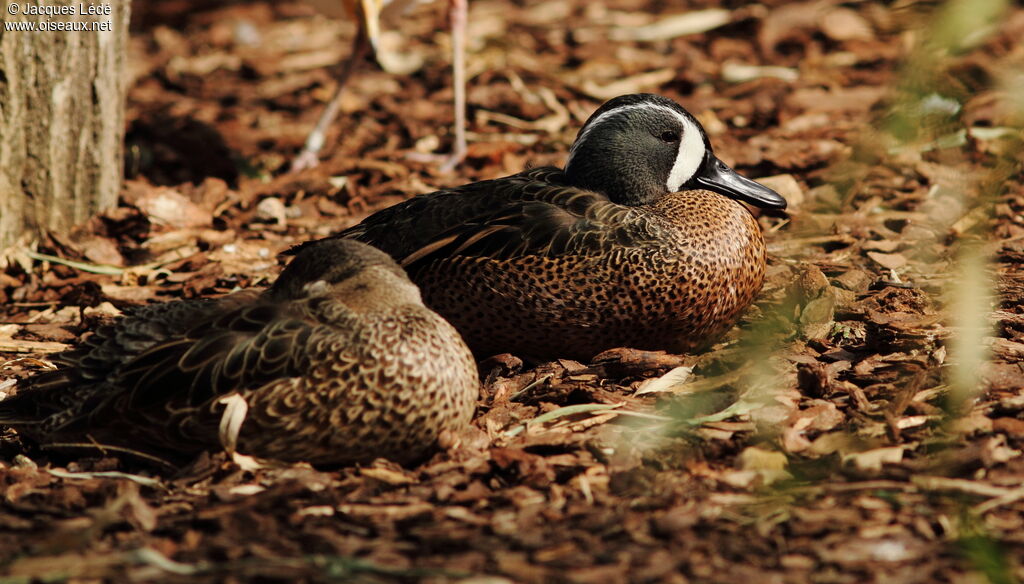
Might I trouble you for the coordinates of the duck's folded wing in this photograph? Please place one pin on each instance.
(241, 350)
(84, 373)
(169, 395)
(567, 222)
(403, 228)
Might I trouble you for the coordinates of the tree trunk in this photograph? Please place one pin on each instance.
(62, 96)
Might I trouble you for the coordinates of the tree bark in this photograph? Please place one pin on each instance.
(62, 95)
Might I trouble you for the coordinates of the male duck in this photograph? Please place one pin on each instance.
(638, 242)
(338, 362)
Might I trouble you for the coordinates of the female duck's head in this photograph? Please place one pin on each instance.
(636, 148)
(359, 275)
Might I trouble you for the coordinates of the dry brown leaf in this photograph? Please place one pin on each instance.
(168, 207)
(787, 186)
(643, 82)
(674, 381)
(875, 458)
(676, 25)
(387, 475)
(892, 261)
(755, 458)
(845, 24)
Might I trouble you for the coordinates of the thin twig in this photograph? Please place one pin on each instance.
(105, 447)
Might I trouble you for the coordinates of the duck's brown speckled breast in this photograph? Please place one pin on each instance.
(700, 265)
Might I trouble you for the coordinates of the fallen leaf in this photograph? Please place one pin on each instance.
(389, 476)
(676, 25)
(892, 261)
(787, 186)
(168, 207)
(844, 24)
(674, 381)
(874, 459)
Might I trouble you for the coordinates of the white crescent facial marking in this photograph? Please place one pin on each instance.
(689, 157)
(691, 143)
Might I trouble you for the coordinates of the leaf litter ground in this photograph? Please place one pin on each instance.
(842, 433)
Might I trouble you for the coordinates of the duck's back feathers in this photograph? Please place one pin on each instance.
(560, 222)
(87, 375)
(402, 229)
(152, 362)
(238, 351)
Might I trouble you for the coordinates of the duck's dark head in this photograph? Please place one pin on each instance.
(357, 274)
(636, 148)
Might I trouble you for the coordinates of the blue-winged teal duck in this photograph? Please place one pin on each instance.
(338, 362)
(638, 242)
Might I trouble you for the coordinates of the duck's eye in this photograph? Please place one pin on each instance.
(669, 136)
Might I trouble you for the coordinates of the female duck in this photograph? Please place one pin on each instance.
(639, 242)
(338, 362)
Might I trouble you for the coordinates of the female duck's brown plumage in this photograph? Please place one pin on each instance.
(639, 242)
(338, 362)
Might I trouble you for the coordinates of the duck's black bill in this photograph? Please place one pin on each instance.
(718, 177)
